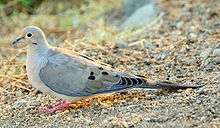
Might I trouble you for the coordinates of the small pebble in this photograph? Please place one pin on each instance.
(216, 60)
(216, 52)
(19, 93)
(121, 44)
(205, 53)
(35, 103)
(149, 45)
(19, 104)
(192, 37)
(179, 24)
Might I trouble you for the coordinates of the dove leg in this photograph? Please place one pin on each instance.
(58, 106)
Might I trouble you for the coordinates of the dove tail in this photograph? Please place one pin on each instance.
(166, 85)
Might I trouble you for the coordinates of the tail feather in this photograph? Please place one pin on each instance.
(167, 85)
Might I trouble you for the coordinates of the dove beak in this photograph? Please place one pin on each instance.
(17, 41)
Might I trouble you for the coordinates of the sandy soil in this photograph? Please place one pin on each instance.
(184, 40)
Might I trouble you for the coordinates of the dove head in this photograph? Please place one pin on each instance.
(33, 37)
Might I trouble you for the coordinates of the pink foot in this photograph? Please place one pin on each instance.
(58, 106)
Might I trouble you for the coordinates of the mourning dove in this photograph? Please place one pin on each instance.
(72, 77)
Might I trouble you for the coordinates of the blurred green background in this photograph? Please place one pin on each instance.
(95, 21)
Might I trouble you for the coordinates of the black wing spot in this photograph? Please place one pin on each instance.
(134, 81)
(91, 73)
(129, 82)
(101, 68)
(123, 81)
(91, 77)
(104, 73)
(140, 81)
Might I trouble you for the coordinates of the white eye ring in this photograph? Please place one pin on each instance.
(29, 35)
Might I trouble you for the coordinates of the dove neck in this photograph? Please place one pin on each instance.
(38, 49)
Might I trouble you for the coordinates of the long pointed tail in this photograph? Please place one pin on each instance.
(167, 85)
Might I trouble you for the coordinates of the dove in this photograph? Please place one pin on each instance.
(72, 77)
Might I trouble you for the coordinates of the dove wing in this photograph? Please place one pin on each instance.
(78, 76)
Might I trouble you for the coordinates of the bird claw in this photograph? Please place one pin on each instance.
(58, 106)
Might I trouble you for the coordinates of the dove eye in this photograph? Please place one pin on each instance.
(29, 35)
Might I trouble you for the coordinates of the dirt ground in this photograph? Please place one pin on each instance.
(184, 43)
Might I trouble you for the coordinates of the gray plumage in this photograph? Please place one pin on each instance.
(70, 75)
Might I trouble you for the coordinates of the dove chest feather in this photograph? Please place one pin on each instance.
(33, 65)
